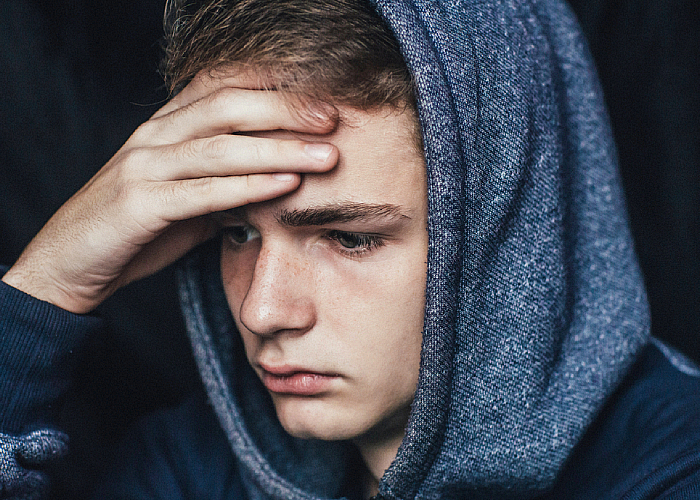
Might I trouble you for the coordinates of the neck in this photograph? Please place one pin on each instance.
(377, 454)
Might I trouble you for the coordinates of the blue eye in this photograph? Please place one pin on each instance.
(240, 234)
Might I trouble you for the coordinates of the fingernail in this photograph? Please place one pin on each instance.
(319, 151)
(282, 177)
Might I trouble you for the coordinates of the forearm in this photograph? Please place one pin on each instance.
(38, 345)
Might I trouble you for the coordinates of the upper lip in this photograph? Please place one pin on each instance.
(289, 370)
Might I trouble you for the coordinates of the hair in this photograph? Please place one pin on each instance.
(338, 52)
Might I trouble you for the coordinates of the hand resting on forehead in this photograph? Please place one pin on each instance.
(148, 205)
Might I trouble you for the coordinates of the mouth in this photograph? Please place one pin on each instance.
(295, 381)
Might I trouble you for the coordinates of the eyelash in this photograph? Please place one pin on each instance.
(231, 233)
(364, 243)
(347, 243)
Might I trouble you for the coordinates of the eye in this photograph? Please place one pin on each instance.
(355, 243)
(240, 234)
(348, 240)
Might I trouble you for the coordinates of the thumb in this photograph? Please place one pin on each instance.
(173, 243)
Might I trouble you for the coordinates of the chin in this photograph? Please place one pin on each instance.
(315, 418)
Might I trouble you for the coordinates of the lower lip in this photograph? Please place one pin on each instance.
(298, 384)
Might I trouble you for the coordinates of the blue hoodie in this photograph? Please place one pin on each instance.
(535, 306)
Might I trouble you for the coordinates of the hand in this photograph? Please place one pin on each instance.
(149, 204)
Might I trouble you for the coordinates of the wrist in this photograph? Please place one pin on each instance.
(46, 291)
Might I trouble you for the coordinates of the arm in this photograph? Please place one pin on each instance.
(37, 344)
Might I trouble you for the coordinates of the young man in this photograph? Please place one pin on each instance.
(445, 311)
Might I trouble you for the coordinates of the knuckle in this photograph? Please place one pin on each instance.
(182, 114)
(203, 190)
(148, 129)
(132, 189)
(215, 148)
(132, 163)
(177, 192)
(215, 101)
(173, 192)
(223, 101)
(257, 151)
(203, 185)
(226, 96)
(186, 151)
(157, 130)
(287, 149)
(128, 196)
(159, 199)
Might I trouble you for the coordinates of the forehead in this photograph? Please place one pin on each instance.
(379, 163)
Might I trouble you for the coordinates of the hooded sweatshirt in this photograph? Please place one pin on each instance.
(535, 307)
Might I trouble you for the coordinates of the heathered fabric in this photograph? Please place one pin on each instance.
(20, 457)
(535, 307)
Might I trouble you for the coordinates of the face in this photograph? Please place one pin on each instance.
(326, 285)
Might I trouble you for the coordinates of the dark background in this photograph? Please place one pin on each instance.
(78, 76)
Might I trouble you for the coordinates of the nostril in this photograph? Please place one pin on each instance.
(277, 307)
(278, 295)
(256, 318)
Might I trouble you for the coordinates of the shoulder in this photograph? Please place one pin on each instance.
(177, 453)
(645, 443)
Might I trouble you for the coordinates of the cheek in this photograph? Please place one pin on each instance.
(376, 310)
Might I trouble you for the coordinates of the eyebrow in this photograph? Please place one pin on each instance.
(339, 213)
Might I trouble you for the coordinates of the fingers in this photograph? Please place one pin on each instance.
(226, 155)
(187, 199)
(208, 81)
(230, 110)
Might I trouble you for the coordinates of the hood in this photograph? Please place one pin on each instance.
(535, 306)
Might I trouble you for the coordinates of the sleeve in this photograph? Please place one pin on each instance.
(177, 453)
(685, 483)
(37, 344)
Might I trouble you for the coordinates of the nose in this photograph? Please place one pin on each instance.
(280, 296)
